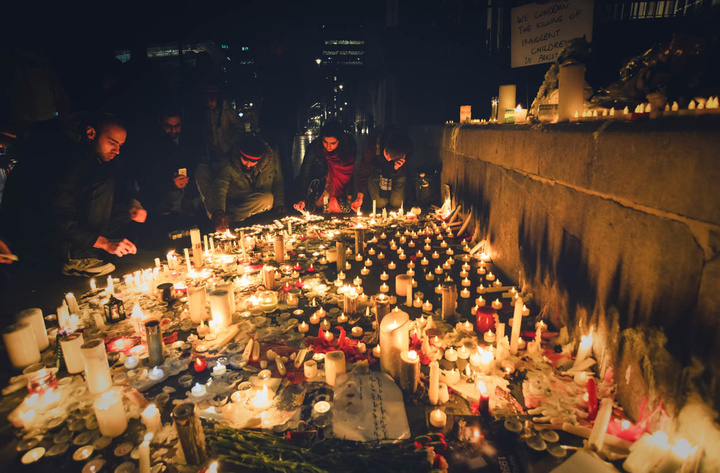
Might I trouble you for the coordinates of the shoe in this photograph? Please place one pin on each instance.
(89, 267)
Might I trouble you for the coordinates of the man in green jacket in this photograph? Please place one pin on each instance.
(250, 183)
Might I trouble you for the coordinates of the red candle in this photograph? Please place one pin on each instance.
(485, 319)
(200, 365)
(311, 268)
(592, 400)
(300, 283)
(297, 267)
(287, 286)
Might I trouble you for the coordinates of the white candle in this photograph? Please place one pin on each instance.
(434, 387)
(110, 413)
(597, 436)
(394, 339)
(220, 308)
(97, 371)
(451, 355)
(151, 418)
(71, 349)
(303, 327)
(199, 390)
(196, 247)
(438, 418)
(131, 363)
(219, 369)
(196, 303)
(584, 348)
(145, 453)
(334, 365)
(187, 260)
(156, 374)
(517, 322)
(356, 331)
(310, 369)
(497, 305)
(34, 318)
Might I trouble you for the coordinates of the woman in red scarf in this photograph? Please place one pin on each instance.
(327, 171)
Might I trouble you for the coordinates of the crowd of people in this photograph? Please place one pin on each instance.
(88, 188)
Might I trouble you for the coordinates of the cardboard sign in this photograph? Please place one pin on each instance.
(541, 30)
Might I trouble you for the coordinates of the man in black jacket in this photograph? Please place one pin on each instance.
(89, 205)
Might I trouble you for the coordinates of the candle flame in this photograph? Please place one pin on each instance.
(482, 388)
(412, 354)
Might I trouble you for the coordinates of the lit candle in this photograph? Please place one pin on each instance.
(465, 293)
(201, 364)
(438, 418)
(517, 322)
(156, 374)
(310, 369)
(334, 365)
(392, 265)
(480, 302)
(384, 288)
(451, 355)
(21, 346)
(328, 336)
(97, 371)
(427, 306)
(71, 350)
(110, 413)
(219, 369)
(434, 386)
(584, 348)
(463, 353)
(497, 305)
(303, 327)
(144, 451)
(151, 418)
(199, 390)
(356, 331)
(131, 363)
(394, 339)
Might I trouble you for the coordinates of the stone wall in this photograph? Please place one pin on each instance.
(613, 225)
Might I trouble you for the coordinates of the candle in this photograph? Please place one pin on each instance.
(392, 265)
(151, 418)
(199, 390)
(303, 327)
(484, 407)
(71, 349)
(156, 374)
(196, 303)
(144, 451)
(131, 363)
(328, 336)
(190, 433)
(356, 332)
(219, 369)
(342, 318)
(21, 346)
(97, 371)
(196, 245)
(517, 322)
(220, 308)
(155, 346)
(110, 413)
(334, 365)
(433, 388)
(597, 436)
(584, 348)
(325, 324)
(394, 339)
(427, 306)
(463, 353)
(202, 329)
(384, 288)
(409, 371)
(187, 259)
(465, 293)
(314, 318)
(497, 305)
(451, 354)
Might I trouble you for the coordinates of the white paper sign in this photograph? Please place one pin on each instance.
(541, 30)
(370, 407)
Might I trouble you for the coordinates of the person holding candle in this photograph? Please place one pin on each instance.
(251, 182)
(327, 170)
(91, 206)
(383, 170)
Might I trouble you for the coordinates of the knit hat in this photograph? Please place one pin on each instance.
(251, 147)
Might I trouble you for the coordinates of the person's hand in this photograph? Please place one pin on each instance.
(120, 248)
(4, 250)
(220, 221)
(138, 215)
(399, 163)
(299, 206)
(357, 203)
(180, 181)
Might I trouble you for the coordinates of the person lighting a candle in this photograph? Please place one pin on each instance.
(383, 173)
(90, 202)
(327, 171)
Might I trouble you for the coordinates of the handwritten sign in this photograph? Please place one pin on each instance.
(541, 30)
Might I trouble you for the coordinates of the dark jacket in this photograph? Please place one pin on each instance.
(85, 195)
(373, 160)
(233, 182)
(315, 166)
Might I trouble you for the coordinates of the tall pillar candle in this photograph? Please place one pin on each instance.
(196, 303)
(220, 308)
(155, 348)
(402, 283)
(230, 288)
(409, 371)
(20, 344)
(506, 100)
(350, 302)
(190, 433)
(110, 413)
(279, 245)
(434, 387)
(449, 300)
(34, 317)
(359, 241)
(341, 255)
(334, 365)
(394, 339)
(97, 371)
(71, 349)
(269, 277)
(517, 323)
(571, 86)
(584, 349)
(144, 451)
(382, 303)
(196, 244)
(72, 303)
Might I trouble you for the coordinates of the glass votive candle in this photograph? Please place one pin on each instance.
(40, 378)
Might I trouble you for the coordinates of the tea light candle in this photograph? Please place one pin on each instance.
(438, 418)
(393, 245)
(451, 355)
(465, 266)
(384, 288)
(392, 265)
(358, 257)
(480, 302)
(365, 271)
(156, 374)
(443, 244)
(199, 390)
(481, 270)
(356, 331)
(383, 236)
(341, 276)
(328, 336)
(342, 318)
(465, 293)
(449, 252)
(489, 336)
(110, 413)
(463, 353)
(325, 324)
(452, 376)
(481, 289)
(439, 270)
(466, 282)
(219, 369)
(438, 289)
(401, 255)
(435, 255)
(361, 348)
(131, 363)
(490, 277)
(303, 327)
(525, 311)
(445, 266)
(371, 251)
(427, 306)
(314, 318)
(384, 276)
(200, 365)
(496, 304)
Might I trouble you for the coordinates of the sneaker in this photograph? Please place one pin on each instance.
(89, 267)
